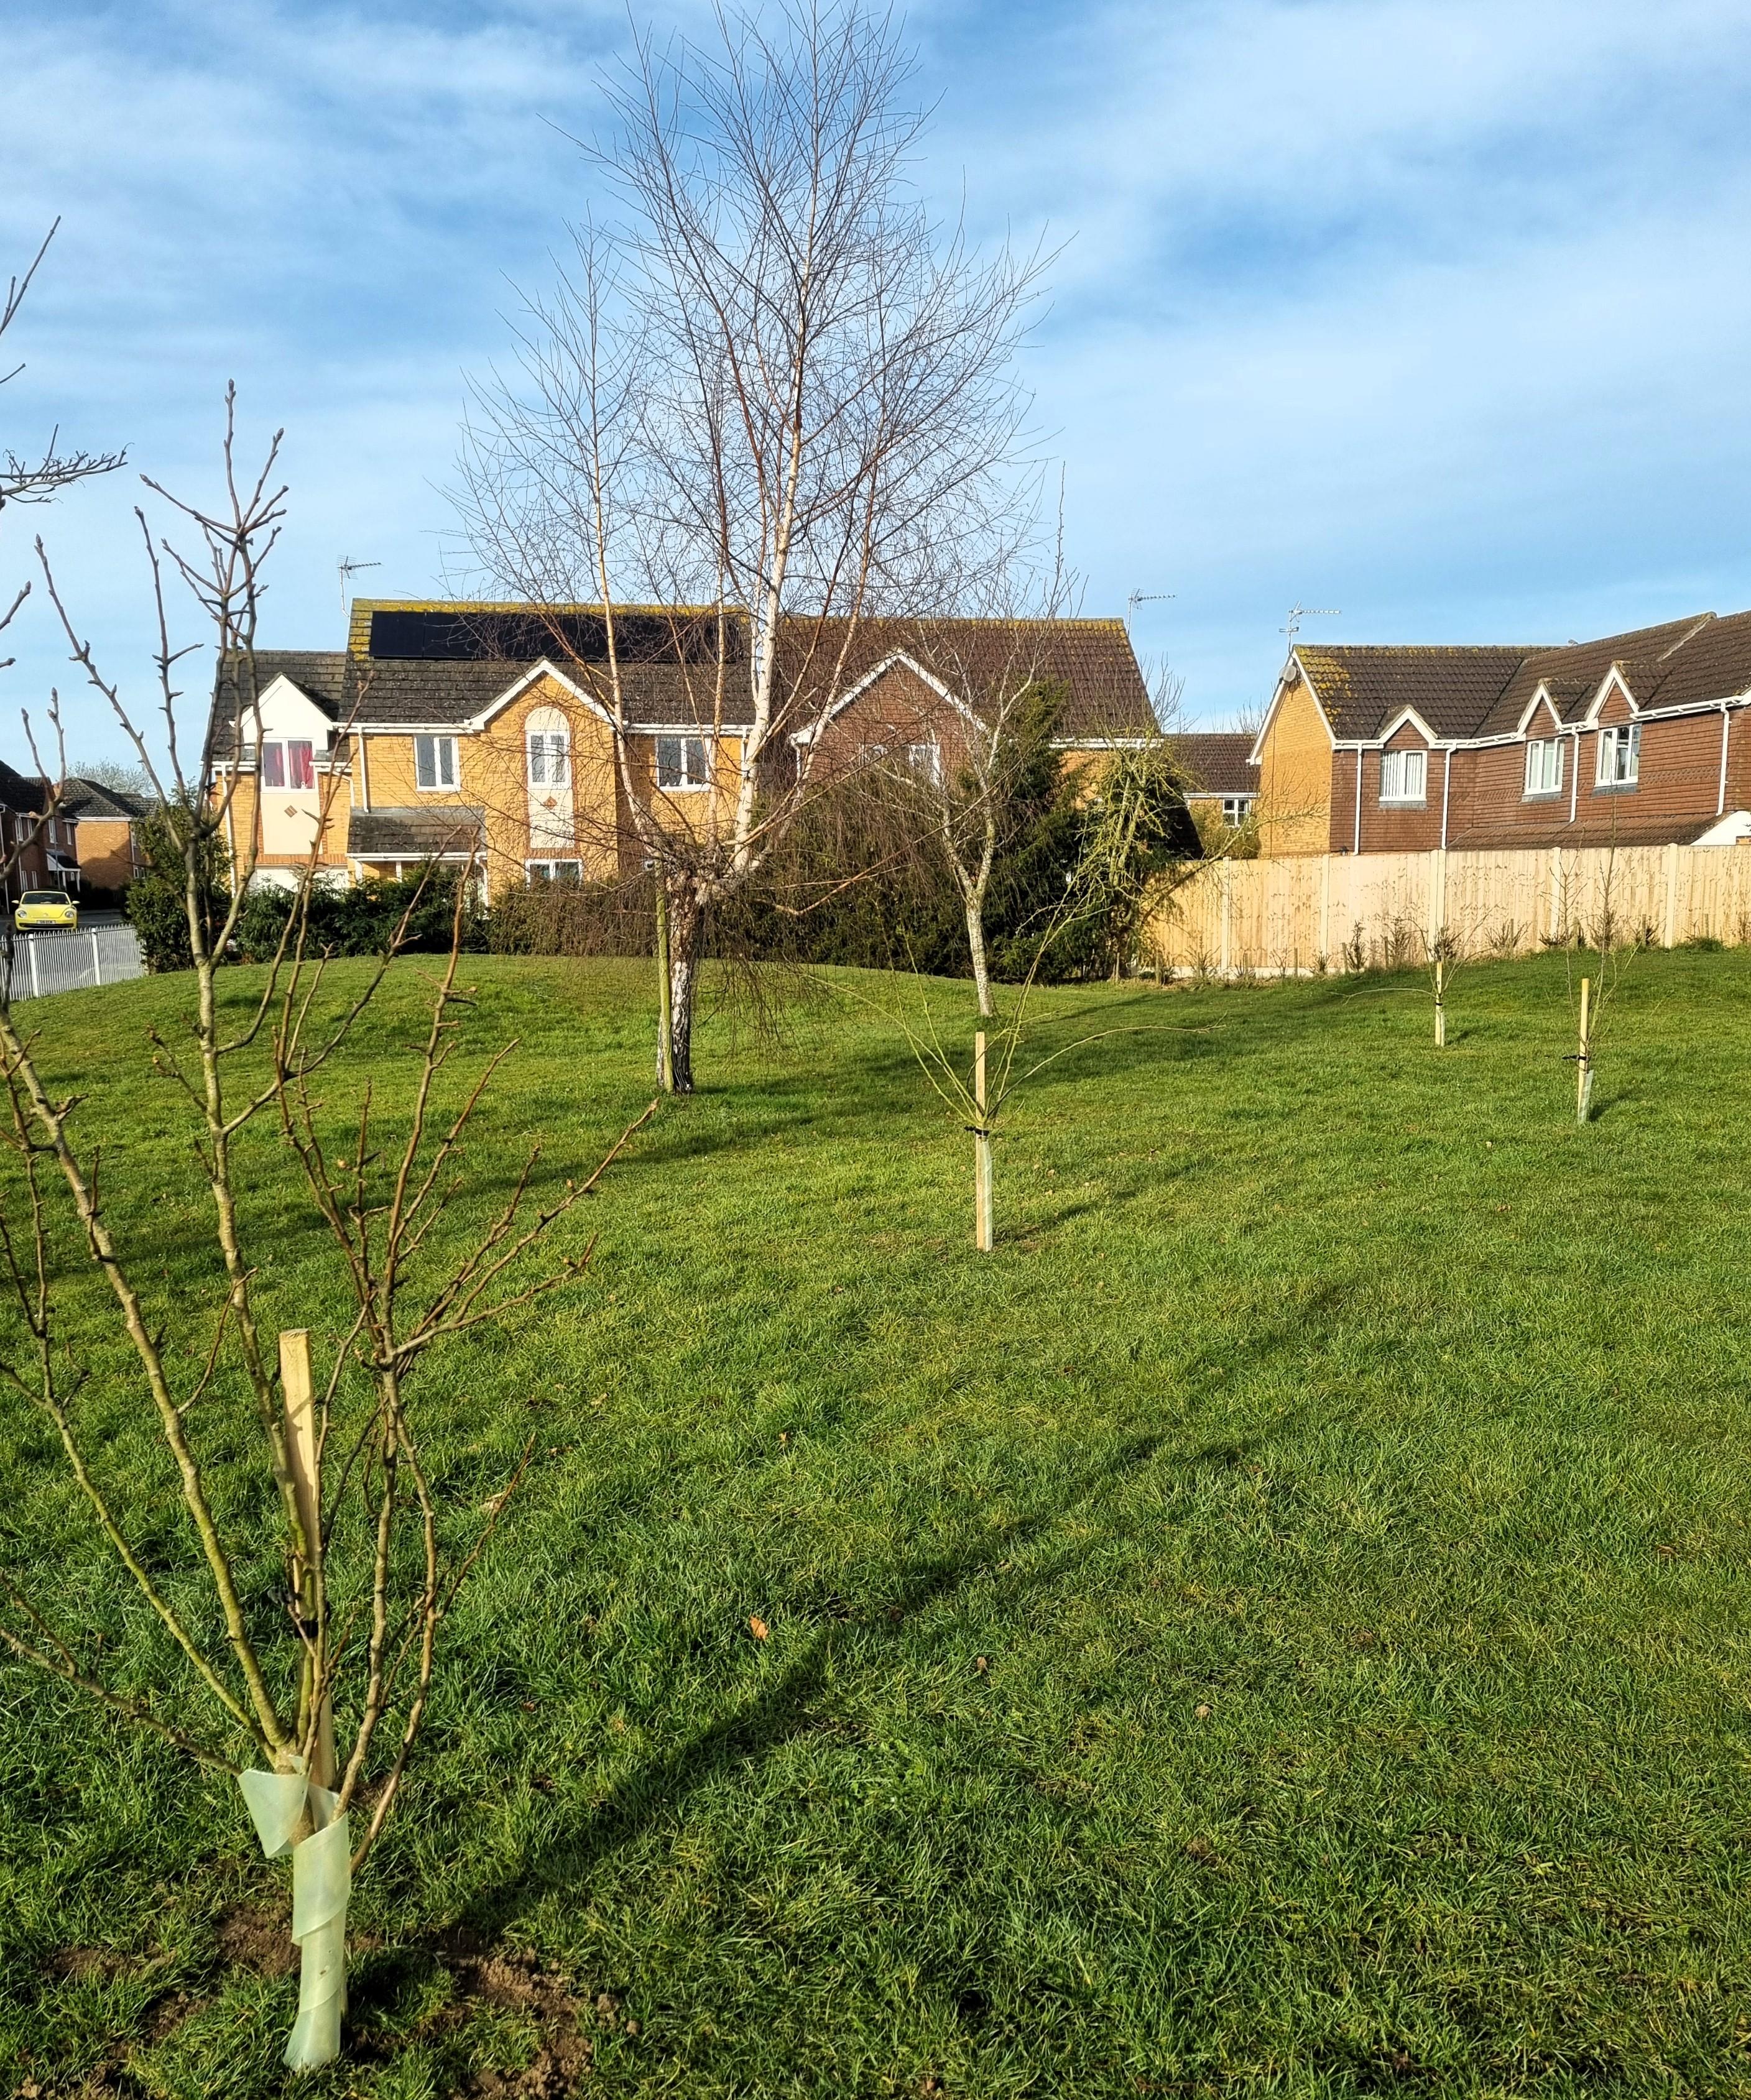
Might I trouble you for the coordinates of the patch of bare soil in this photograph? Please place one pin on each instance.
(521, 1983)
(257, 1934)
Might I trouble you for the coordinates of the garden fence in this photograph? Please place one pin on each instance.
(1352, 911)
(73, 961)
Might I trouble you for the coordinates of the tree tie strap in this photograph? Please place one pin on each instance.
(321, 1884)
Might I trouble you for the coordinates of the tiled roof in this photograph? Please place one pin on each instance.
(1091, 657)
(88, 800)
(1469, 692)
(413, 834)
(26, 794)
(1218, 761)
(1620, 826)
(1452, 690)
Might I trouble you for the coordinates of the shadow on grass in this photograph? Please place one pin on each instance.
(790, 1705)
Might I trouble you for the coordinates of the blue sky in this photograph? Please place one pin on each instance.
(1436, 311)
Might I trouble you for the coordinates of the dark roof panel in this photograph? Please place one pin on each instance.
(413, 834)
(1218, 761)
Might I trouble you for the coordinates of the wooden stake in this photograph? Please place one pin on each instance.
(982, 1223)
(299, 1390)
(1583, 1062)
(1440, 1002)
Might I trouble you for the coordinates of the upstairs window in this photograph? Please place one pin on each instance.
(1235, 809)
(681, 762)
(1404, 776)
(549, 757)
(1620, 755)
(925, 761)
(1544, 766)
(435, 761)
(538, 872)
(289, 765)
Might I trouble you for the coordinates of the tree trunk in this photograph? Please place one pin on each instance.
(686, 920)
(976, 946)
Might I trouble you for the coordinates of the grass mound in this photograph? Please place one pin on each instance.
(1277, 1626)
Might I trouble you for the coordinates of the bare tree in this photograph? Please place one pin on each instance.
(778, 395)
(38, 479)
(351, 1635)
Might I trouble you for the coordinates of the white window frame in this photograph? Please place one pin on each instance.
(1405, 763)
(294, 744)
(551, 871)
(277, 745)
(685, 782)
(1235, 809)
(1538, 753)
(924, 762)
(442, 752)
(1613, 772)
(549, 755)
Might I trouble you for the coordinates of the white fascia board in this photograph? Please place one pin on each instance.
(895, 658)
(1540, 698)
(471, 724)
(1284, 683)
(1613, 677)
(1398, 722)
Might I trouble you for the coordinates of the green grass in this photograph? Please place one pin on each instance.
(1276, 1626)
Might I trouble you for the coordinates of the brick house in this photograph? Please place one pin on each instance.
(1636, 739)
(445, 730)
(42, 850)
(1221, 776)
(105, 833)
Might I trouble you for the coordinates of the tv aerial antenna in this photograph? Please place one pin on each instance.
(1145, 598)
(1298, 613)
(349, 568)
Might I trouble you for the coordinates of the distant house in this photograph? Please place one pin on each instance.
(1640, 738)
(446, 731)
(40, 854)
(1221, 778)
(105, 833)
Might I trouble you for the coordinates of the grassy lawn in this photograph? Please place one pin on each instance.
(1276, 1626)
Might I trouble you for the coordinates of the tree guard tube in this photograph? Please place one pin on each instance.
(321, 1883)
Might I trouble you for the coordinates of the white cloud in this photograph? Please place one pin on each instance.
(1433, 311)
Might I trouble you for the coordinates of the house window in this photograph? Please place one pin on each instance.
(273, 766)
(300, 769)
(925, 760)
(1620, 755)
(1404, 775)
(552, 870)
(1544, 766)
(550, 756)
(681, 762)
(1235, 809)
(435, 761)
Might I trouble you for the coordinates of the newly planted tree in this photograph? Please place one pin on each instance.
(301, 1655)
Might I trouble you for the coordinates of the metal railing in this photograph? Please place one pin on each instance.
(74, 959)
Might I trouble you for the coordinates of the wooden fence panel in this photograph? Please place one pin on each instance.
(1346, 911)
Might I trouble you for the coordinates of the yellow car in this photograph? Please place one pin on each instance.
(45, 907)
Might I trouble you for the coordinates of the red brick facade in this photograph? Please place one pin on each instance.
(1439, 740)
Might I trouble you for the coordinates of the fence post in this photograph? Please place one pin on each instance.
(1672, 895)
(1227, 913)
(97, 959)
(30, 948)
(1325, 907)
